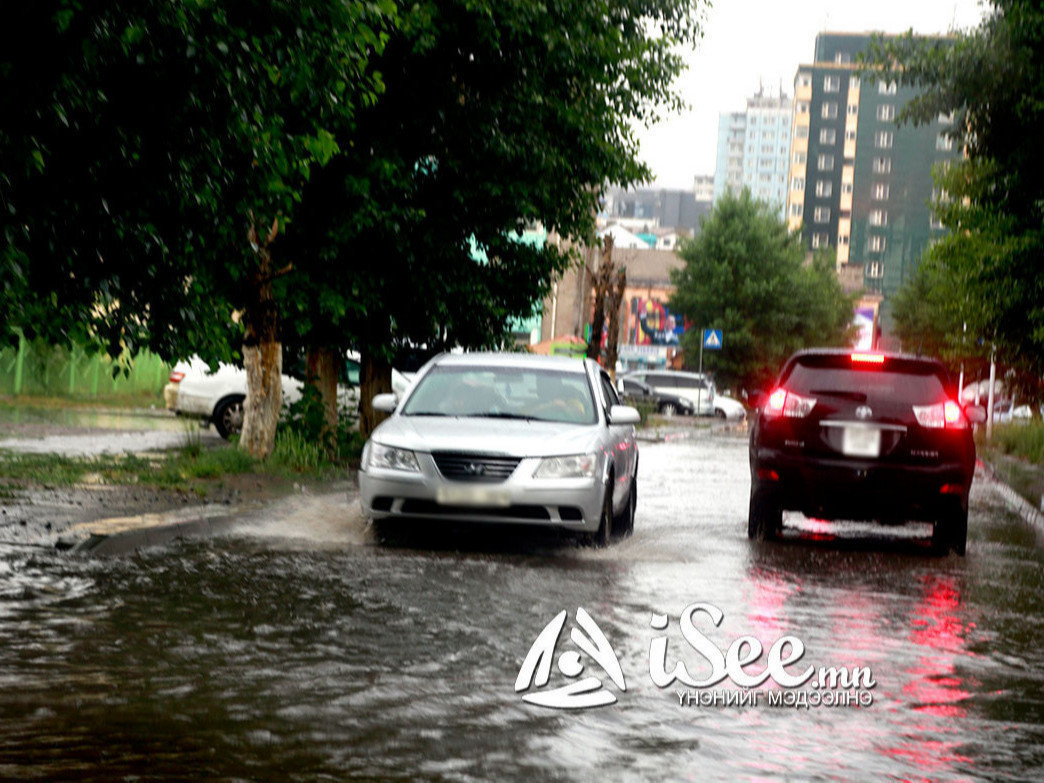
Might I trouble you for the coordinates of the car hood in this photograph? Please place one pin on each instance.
(487, 436)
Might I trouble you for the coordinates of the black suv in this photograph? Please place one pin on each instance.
(852, 435)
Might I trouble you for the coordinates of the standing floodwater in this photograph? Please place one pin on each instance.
(297, 648)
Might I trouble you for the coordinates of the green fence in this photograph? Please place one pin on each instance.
(35, 368)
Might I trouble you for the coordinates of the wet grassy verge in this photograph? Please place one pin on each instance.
(192, 467)
(1016, 453)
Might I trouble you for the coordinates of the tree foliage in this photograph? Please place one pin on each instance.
(747, 275)
(987, 272)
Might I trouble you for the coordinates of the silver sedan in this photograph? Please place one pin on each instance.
(505, 438)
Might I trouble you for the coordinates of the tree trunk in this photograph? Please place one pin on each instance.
(602, 281)
(262, 351)
(615, 299)
(323, 369)
(374, 379)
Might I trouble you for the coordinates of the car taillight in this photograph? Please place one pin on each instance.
(867, 358)
(175, 377)
(944, 414)
(785, 403)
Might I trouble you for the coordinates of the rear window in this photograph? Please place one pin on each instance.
(916, 384)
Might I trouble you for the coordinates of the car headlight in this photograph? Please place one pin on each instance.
(391, 458)
(573, 466)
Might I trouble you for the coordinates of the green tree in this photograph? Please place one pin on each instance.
(988, 271)
(494, 115)
(158, 151)
(747, 275)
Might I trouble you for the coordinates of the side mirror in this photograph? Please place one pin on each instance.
(976, 414)
(386, 403)
(624, 414)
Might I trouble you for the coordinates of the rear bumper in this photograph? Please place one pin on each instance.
(861, 489)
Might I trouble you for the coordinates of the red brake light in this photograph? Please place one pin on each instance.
(951, 412)
(175, 377)
(786, 403)
(945, 414)
(868, 358)
(777, 400)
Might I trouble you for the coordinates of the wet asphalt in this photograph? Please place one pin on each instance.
(297, 647)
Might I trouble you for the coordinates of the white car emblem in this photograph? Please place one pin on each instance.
(588, 692)
(863, 412)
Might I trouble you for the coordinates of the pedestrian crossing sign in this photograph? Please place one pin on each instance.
(712, 339)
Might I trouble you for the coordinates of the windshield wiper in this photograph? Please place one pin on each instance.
(430, 413)
(491, 415)
(846, 395)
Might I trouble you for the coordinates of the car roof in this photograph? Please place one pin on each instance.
(509, 359)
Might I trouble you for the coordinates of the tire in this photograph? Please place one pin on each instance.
(668, 409)
(719, 413)
(228, 417)
(624, 524)
(601, 537)
(950, 532)
(765, 517)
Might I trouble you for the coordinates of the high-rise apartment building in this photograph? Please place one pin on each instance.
(753, 149)
(859, 182)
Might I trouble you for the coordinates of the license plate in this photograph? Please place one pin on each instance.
(861, 442)
(472, 496)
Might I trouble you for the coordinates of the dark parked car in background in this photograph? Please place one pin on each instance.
(868, 436)
(635, 392)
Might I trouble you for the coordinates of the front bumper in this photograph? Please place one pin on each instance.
(861, 489)
(570, 504)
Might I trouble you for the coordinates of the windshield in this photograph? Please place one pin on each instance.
(867, 385)
(529, 393)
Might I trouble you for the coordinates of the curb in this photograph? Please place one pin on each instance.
(120, 535)
(1029, 513)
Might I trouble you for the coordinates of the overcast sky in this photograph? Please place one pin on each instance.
(747, 42)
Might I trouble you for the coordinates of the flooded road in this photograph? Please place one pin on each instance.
(297, 648)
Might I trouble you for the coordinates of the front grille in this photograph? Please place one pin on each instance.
(475, 467)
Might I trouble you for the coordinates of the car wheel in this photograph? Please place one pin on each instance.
(601, 537)
(668, 409)
(624, 524)
(228, 417)
(765, 517)
(950, 532)
(720, 413)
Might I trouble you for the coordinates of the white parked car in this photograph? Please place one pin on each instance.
(728, 408)
(505, 438)
(217, 397)
(695, 387)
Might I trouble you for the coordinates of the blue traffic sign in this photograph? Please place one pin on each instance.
(712, 339)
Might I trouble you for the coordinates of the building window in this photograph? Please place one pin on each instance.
(801, 132)
(827, 136)
(824, 187)
(883, 139)
(804, 79)
(886, 112)
(936, 223)
(878, 217)
(943, 142)
(766, 149)
(853, 82)
(853, 109)
(802, 107)
(826, 162)
(800, 157)
(821, 214)
(850, 135)
(875, 269)
(880, 191)
(882, 165)
(886, 88)
(829, 110)
(843, 57)
(842, 239)
(846, 187)
(946, 118)
(876, 244)
(831, 83)
(798, 183)
(796, 209)
(820, 240)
